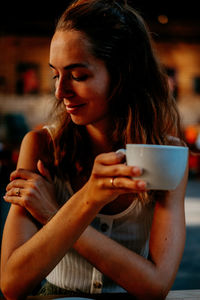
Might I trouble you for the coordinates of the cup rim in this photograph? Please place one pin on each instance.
(157, 146)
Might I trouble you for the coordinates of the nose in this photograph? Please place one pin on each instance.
(63, 89)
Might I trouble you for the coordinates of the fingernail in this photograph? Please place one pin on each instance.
(122, 151)
(141, 185)
(137, 171)
(120, 154)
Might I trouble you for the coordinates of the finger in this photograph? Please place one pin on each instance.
(110, 158)
(13, 200)
(14, 196)
(23, 174)
(117, 170)
(14, 192)
(44, 171)
(18, 183)
(128, 184)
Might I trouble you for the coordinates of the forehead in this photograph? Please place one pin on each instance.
(70, 46)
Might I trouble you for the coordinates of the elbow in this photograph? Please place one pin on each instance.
(10, 295)
(7, 291)
(10, 290)
(158, 293)
(160, 287)
(151, 295)
(153, 291)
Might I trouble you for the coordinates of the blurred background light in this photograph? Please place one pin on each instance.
(163, 19)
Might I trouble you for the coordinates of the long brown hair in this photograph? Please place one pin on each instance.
(141, 106)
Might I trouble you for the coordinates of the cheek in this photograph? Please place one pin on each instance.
(101, 87)
(96, 88)
(95, 91)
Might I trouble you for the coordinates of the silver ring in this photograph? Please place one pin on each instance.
(18, 192)
(112, 182)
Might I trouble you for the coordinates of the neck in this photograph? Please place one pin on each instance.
(100, 138)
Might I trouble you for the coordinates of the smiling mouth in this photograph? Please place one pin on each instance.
(74, 108)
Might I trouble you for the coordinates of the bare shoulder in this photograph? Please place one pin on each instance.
(36, 144)
(38, 138)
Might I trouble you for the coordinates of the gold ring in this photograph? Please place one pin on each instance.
(18, 192)
(112, 182)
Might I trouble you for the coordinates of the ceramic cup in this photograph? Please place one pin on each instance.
(162, 166)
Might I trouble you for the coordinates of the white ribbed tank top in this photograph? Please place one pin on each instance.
(130, 228)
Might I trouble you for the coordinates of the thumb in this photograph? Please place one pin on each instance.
(43, 170)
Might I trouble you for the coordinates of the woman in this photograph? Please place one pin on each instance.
(84, 224)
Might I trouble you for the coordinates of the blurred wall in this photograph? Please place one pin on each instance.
(15, 50)
(185, 59)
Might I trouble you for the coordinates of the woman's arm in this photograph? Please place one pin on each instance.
(28, 253)
(136, 274)
(146, 279)
(25, 250)
(20, 226)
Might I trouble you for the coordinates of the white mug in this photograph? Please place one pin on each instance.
(162, 166)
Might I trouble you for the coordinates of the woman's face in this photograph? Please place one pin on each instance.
(82, 81)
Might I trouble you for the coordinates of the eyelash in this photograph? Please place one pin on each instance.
(80, 78)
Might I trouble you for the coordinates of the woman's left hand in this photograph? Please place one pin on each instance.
(34, 192)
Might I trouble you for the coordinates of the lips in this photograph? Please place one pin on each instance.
(73, 108)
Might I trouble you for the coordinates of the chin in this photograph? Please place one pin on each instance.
(79, 121)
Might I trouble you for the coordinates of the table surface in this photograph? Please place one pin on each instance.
(184, 295)
(173, 295)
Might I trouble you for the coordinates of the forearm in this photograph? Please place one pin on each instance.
(134, 273)
(145, 279)
(39, 255)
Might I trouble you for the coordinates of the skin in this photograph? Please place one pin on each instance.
(82, 82)
(25, 242)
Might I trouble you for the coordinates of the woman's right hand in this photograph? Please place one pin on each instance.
(111, 178)
(35, 192)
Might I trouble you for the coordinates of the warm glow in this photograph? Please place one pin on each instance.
(191, 134)
(163, 19)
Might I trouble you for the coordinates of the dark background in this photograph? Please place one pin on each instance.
(39, 17)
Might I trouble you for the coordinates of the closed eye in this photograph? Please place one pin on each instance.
(79, 78)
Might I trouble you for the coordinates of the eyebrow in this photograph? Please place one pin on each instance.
(72, 66)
